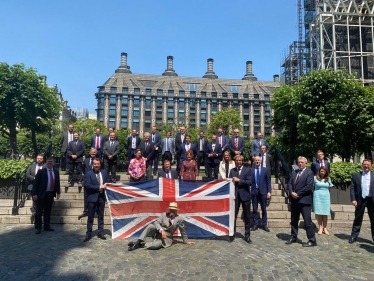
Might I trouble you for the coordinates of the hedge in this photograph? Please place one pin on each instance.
(11, 168)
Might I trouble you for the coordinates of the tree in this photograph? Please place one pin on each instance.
(26, 102)
(227, 119)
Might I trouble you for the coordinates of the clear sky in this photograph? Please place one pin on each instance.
(77, 43)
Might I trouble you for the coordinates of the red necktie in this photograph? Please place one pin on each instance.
(236, 144)
(52, 181)
(97, 142)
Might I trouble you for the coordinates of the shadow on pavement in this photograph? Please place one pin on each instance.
(369, 248)
(346, 237)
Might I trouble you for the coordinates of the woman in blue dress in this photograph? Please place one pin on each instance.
(321, 199)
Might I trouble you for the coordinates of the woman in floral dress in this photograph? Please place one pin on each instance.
(137, 167)
(189, 170)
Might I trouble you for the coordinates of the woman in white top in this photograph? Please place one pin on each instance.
(226, 165)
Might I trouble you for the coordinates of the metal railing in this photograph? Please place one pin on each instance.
(282, 170)
(21, 192)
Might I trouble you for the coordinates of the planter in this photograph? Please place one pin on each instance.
(340, 195)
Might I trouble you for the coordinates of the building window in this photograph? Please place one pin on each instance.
(113, 89)
(170, 102)
(224, 95)
(136, 112)
(123, 122)
(203, 94)
(170, 113)
(125, 99)
(112, 99)
(246, 128)
(124, 111)
(125, 90)
(245, 96)
(193, 94)
(203, 103)
(246, 105)
(256, 96)
(100, 112)
(170, 92)
(148, 113)
(266, 97)
(214, 94)
(136, 101)
(192, 103)
(159, 101)
(112, 122)
(235, 95)
(159, 92)
(148, 101)
(112, 110)
(181, 114)
(246, 117)
(181, 102)
(101, 89)
(192, 86)
(148, 91)
(181, 93)
(136, 91)
(135, 123)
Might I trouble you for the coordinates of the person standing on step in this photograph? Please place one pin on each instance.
(97, 141)
(156, 139)
(31, 174)
(66, 138)
(75, 152)
(111, 151)
(201, 145)
(168, 145)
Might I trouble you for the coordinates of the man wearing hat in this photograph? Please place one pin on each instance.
(162, 230)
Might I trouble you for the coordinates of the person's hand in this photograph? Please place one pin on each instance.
(163, 233)
(35, 197)
(354, 203)
(190, 243)
(110, 156)
(268, 195)
(74, 156)
(103, 186)
(235, 179)
(294, 195)
(58, 196)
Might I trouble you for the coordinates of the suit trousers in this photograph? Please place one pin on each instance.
(305, 210)
(155, 160)
(111, 168)
(151, 231)
(100, 205)
(200, 161)
(77, 167)
(64, 161)
(246, 206)
(359, 215)
(131, 154)
(259, 198)
(213, 167)
(167, 156)
(44, 204)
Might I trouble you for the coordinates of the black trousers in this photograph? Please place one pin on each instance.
(44, 204)
(131, 154)
(359, 215)
(111, 168)
(155, 160)
(77, 167)
(305, 210)
(212, 167)
(100, 206)
(200, 161)
(259, 198)
(246, 206)
(64, 161)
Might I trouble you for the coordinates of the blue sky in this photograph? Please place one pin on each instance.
(77, 44)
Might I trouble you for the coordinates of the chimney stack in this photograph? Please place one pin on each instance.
(123, 68)
(210, 73)
(169, 67)
(276, 78)
(249, 74)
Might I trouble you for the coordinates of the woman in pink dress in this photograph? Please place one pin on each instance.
(189, 170)
(137, 167)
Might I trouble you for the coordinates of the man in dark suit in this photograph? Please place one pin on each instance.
(168, 145)
(95, 183)
(166, 172)
(110, 130)
(266, 159)
(362, 197)
(201, 144)
(111, 150)
(260, 192)
(156, 139)
(66, 137)
(256, 145)
(86, 167)
(133, 142)
(97, 141)
(147, 148)
(320, 162)
(31, 173)
(179, 139)
(236, 144)
(46, 186)
(184, 147)
(222, 139)
(241, 176)
(300, 191)
(213, 157)
(75, 152)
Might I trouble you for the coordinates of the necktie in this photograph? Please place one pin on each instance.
(213, 146)
(220, 140)
(167, 145)
(187, 147)
(51, 180)
(111, 143)
(296, 180)
(236, 144)
(240, 170)
(201, 144)
(257, 177)
(262, 161)
(168, 174)
(91, 163)
(153, 138)
(97, 142)
(322, 164)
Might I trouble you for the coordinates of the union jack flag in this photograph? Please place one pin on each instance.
(208, 207)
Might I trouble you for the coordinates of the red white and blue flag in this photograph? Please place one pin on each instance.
(208, 208)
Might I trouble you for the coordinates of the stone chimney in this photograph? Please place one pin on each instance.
(123, 68)
(276, 78)
(169, 67)
(210, 73)
(249, 75)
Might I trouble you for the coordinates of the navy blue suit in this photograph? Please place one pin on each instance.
(261, 186)
(256, 147)
(130, 150)
(303, 204)
(182, 152)
(95, 199)
(231, 146)
(101, 144)
(213, 162)
(75, 148)
(156, 139)
(317, 165)
(243, 196)
(224, 141)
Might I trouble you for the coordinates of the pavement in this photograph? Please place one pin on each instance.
(62, 255)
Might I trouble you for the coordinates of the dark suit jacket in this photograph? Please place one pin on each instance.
(129, 142)
(316, 165)
(243, 186)
(225, 141)
(217, 150)
(178, 141)
(64, 141)
(182, 151)
(76, 149)
(41, 183)
(162, 174)
(356, 189)
(269, 162)
(157, 138)
(255, 149)
(111, 150)
(92, 186)
(102, 142)
(147, 151)
(87, 165)
(240, 144)
(303, 187)
(31, 171)
(265, 183)
(197, 144)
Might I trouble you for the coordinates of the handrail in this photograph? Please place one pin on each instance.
(21, 184)
(282, 170)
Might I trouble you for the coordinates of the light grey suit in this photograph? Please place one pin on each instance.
(110, 165)
(163, 222)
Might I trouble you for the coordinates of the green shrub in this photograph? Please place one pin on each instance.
(11, 168)
(342, 172)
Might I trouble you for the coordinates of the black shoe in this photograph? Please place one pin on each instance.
(352, 240)
(38, 231)
(254, 228)
(101, 236)
(82, 216)
(49, 229)
(87, 238)
(310, 244)
(248, 240)
(80, 184)
(231, 239)
(131, 243)
(135, 246)
(266, 228)
(69, 184)
(80, 189)
(290, 241)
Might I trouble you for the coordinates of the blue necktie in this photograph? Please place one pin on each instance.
(257, 177)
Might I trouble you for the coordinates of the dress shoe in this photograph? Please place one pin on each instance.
(79, 184)
(254, 228)
(38, 231)
(290, 241)
(231, 239)
(352, 240)
(87, 238)
(101, 236)
(248, 240)
(135, 246)
(310, 244)
(49, 229)
(266, 228)
(131, 244)
(82, 216)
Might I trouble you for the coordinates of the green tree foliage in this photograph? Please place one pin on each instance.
(228, 119)
(26, 102)
(327, 110)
